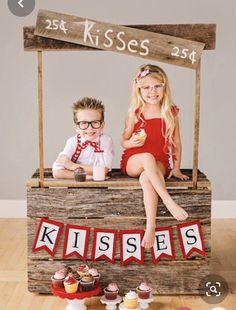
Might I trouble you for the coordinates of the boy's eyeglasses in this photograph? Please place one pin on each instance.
(94, 124)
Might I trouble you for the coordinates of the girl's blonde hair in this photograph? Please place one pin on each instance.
(167, 105)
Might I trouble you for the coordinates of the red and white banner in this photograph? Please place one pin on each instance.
(164, 244)
(76, 241)
(47, 236)
(104, 245)
(105, 242)
(191, 238)
(130, 246)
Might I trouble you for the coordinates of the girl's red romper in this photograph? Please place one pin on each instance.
(155, 142)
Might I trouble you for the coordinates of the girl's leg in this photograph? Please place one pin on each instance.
(150, 199)
(146, 162)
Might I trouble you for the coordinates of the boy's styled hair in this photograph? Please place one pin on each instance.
(88, 103)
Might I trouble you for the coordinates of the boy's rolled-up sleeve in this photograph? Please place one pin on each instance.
(68, 150)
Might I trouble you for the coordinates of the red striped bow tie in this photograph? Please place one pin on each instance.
(82, 146)
(87, 142)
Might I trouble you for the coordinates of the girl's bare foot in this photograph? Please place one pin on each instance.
(148, 238)
(178, 213)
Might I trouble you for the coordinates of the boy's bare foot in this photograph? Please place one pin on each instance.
(148, 238)
(178, 213)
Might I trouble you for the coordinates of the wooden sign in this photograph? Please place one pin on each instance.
(119, 39)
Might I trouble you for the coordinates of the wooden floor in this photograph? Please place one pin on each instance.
(13, 272)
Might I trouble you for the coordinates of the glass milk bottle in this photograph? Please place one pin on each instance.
(99, 173)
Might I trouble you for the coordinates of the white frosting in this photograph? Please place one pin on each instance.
(131, 295)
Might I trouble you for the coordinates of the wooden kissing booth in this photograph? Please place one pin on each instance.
(117, 202)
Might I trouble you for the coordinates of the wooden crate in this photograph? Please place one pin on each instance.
(117, 204)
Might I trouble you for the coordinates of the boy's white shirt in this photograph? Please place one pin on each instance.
(87, 155)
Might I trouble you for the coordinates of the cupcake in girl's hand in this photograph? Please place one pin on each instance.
(140, 135)
(131, 300)
(83, 270)
(58, 278)
(111, 291)
(87, 283)
(94, 273)
(71, 284)
(143, 290)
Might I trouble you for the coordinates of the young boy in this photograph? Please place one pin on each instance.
(88, 115)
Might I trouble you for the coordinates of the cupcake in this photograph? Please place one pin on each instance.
(80, 175)
(94, 273)
(83, 270)
(58, 278)
(131, 300)
(111, 291)
(75, 275)
(143, 290)
(87, 283)
(71, 284)
(140, 134)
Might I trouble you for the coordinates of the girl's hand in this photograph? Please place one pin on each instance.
(136, 142)
(66, 162)
(178, 174)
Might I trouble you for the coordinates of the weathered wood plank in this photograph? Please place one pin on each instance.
(167, 277)
(119, 39)
(116, 180)
(205, 33)
(114, 223)
(40, 118)
(196, 123)
(100, 203)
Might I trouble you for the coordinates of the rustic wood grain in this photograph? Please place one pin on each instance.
(40, 118)
(158, 47)
(174, 277)
(205, 33)
(104, 203)
(196, 123)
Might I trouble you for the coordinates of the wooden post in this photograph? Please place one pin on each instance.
(40, 120)
(196, 123)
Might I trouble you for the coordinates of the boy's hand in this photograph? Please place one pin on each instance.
(175, 172)
(66, 162)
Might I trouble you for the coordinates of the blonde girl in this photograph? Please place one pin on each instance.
(151, 136)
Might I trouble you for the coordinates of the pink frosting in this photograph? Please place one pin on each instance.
(59, 275)
(112, 287)
(93, 272)
(70, 280)
(144, 286)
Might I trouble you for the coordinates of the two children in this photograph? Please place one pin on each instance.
(151, 136)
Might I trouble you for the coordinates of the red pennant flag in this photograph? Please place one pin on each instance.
(104, 245)
(76, 241)
(191, 238)
(130, 246)
(47, 236)
(164, 244)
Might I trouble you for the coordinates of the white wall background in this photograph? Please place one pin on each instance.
(71, 75)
